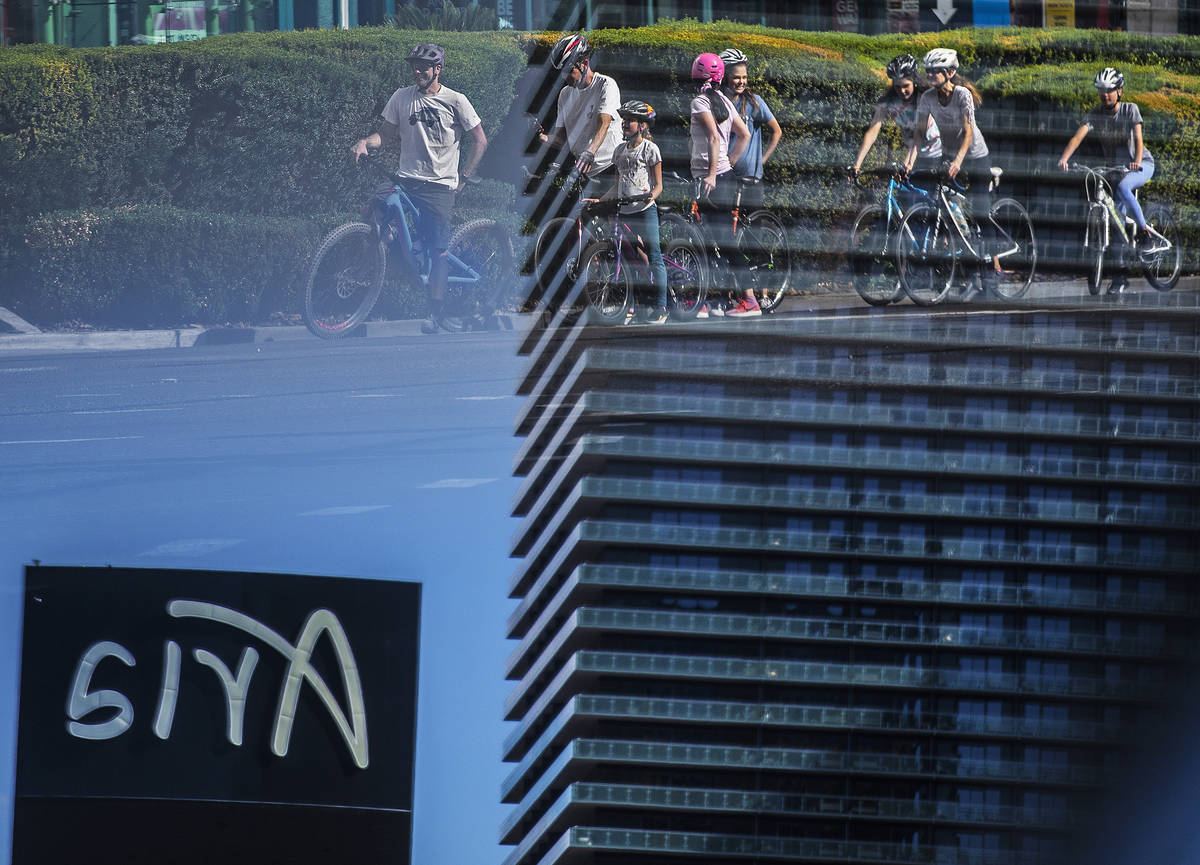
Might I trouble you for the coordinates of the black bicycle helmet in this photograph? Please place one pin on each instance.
(427, 52)
(571, 49)
(904, 66)
(637, 108)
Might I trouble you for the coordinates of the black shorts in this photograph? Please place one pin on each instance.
(436, 203)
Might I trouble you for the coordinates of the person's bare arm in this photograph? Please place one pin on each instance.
(478, 145)
(776, 137)
(714, 149)
(1139, 149)
(742, 132)
(1072, 146)
(868, 140)
(374, 141)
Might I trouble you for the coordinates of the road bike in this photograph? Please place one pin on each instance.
(1161, 263)
(871, 250)
(614, 266)
(345, 275)
(759, 257)
(937, 233)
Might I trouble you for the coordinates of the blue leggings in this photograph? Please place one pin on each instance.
(1125, 189)
(645, 224)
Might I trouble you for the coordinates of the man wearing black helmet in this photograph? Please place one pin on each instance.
(587, 106)
(429, 121)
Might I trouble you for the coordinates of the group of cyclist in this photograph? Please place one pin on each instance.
(732, 134)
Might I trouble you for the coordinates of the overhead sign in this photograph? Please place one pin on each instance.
(992, 13)
(177, 698)
(946, 14)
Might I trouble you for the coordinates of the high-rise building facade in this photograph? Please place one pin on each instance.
(842, 587)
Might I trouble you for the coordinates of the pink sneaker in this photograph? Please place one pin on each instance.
(743, 310)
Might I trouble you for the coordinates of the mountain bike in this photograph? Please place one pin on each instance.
(760, 257)
(345, 275)
(936, 234)
(872, 247)
(1161, 263)
(614, 266)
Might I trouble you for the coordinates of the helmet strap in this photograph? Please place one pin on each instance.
(585, 75)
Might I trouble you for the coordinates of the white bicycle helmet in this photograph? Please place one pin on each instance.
(1109, 78)
(733, 56)
(939, 59)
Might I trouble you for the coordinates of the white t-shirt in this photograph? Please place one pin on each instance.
(951, 119)
(430, 129)
(633, 172)
(698, 139)
(578, 114)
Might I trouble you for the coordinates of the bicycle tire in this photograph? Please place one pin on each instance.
(553, 253)
(343, 280)
(687, 279)
(1162, 269)
(872, 269)
(607, 294)
(926, 255)
(484, 246)
(1094, 251)
(766, 257)
(1016, 247)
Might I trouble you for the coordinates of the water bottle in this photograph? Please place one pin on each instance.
(955, 201)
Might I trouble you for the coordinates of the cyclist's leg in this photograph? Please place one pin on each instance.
(718, 222)
(979, 197)
(645, 225)
(1125, 196)
(436, 203)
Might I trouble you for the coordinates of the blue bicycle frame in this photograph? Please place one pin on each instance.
(393, 226)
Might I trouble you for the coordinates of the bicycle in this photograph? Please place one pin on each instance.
(761, 257)
(614, 266)
(559, 244)
(937, 232)
(1161, 265)
(345, 276)
(872, 246)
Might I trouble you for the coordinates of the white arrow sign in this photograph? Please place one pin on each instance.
(944, 10)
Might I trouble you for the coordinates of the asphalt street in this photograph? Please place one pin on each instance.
(380, 457)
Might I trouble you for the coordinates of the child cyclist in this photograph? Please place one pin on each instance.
(639, 172)
(757, 117)
(1118, 125)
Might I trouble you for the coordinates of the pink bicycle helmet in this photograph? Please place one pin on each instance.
(708, 67)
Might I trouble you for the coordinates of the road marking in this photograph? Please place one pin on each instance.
(28, 368)
(123, 410)
(374, 395)
(73, 395)
(481, 398)
(456, 483)
(192, 547)
(68, 441)
(346, 510)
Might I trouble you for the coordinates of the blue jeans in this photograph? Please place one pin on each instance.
(645, 225)
(1125, 188)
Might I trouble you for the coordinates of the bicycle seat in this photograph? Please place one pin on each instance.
(749, 181)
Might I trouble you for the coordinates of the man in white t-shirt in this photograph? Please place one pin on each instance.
(587, 107)
(429, 121)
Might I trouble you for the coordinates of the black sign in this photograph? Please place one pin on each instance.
(171, 702)
(946, 15)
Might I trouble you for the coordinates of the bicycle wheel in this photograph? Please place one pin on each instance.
(479, 273)
(672, 227)
(872, 269)
(925, 255)
(607, 292)
(553, 249)
(344, 280)
(766, 258)
(1162, 267)
(1015, 246)
(687, 279)
(1093, 250)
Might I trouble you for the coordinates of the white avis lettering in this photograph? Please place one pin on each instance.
(82, 701)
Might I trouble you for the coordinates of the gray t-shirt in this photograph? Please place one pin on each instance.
(633, 172)
(578, 114)
(951, 119)
(699, 135)
(1115, 132)
(430, 129)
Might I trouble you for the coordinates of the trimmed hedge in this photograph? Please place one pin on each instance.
(109, 152)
